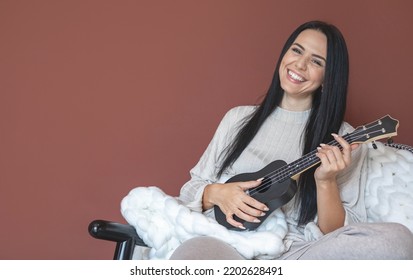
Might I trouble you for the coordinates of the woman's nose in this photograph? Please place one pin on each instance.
(301, 63)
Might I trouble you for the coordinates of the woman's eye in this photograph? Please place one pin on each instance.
(296, 50)
(317, 62)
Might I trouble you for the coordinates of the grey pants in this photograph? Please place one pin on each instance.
(364, 241)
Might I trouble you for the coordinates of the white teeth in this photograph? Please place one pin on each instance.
(295, 76)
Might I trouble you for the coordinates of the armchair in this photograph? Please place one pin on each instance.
(126, 237)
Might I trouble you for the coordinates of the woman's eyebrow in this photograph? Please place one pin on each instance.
(315, 55)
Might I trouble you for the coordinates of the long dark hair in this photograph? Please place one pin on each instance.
(326, 117)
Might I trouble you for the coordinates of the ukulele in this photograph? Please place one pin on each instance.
(279, 185)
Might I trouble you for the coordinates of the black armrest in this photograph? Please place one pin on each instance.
(125, 237)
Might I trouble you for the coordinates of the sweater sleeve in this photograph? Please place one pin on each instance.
(205, 171)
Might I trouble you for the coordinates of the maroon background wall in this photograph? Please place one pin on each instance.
(97, 97)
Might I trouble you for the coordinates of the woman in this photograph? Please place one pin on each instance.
(304, 108)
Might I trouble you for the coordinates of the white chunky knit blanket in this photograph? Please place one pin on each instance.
(163, 223)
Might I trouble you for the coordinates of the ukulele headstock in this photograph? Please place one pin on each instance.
(384, 127)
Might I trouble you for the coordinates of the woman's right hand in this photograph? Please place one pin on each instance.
(232, 200)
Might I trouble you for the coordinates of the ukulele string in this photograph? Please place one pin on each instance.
(310, 159)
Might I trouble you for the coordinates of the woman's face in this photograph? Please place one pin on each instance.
(303, 65)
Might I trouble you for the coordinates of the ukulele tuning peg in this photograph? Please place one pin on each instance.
(374, 145)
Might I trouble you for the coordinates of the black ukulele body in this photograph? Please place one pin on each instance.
(270, 192)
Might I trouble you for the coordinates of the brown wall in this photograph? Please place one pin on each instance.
(97, 97)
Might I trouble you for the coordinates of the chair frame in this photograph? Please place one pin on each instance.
(124, 235)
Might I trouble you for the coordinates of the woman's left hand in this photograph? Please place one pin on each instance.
(333, 160)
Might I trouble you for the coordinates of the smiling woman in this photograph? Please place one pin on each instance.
(304, 108)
